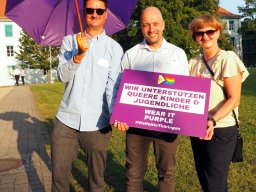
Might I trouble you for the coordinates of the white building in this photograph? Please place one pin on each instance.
(9, 38)
(233, 23)
(10, 33)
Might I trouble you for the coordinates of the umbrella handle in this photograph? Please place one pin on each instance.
(79, 19)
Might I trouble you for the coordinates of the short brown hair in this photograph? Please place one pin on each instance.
(105, 1)
(205, 21)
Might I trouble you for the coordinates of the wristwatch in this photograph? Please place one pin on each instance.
(213, 121)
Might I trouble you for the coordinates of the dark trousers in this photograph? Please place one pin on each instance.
(137, 149)
(213, 158)
(17, 77)
(23, 81)
(65, 145)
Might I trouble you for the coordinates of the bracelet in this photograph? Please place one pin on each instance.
(213, 121)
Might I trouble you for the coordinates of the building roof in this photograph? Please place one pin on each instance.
(2, 8)
(224, 14)
(2, 11)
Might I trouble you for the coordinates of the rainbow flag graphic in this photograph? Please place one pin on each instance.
(166, 80)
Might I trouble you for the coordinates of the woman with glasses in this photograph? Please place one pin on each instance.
(213, 153)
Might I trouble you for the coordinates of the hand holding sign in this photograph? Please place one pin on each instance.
(209, 131)
(120, 126)
(163, 102)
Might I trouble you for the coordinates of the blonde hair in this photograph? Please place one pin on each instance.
(205, 21)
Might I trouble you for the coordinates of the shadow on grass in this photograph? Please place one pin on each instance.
(50, 90)
(114, 176)
(49, 124)
(80, 175)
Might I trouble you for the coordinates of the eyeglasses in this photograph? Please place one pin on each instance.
(90, 11)
(209, 33)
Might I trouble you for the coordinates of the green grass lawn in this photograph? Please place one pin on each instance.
(242, 177)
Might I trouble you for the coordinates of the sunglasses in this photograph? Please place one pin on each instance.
(209, 33)
(90, 11)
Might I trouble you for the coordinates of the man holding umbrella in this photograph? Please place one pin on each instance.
(89, 66)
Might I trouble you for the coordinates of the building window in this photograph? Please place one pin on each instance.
(8, 30)
(10, 52)
(231, 25)
(233, 41)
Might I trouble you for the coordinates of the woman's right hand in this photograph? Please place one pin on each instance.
(209, 131)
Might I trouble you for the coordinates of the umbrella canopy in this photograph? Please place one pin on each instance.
(48, 21)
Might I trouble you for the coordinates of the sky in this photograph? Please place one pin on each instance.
(231, 5)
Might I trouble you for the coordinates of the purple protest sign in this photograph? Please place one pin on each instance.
(163, 102)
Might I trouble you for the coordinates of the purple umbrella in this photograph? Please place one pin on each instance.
(48, 21)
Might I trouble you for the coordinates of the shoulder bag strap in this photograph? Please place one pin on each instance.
(224, 91)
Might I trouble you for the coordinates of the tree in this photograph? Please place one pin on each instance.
(177, 15)
(34, 56)
(249, 12)
(248, 31)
